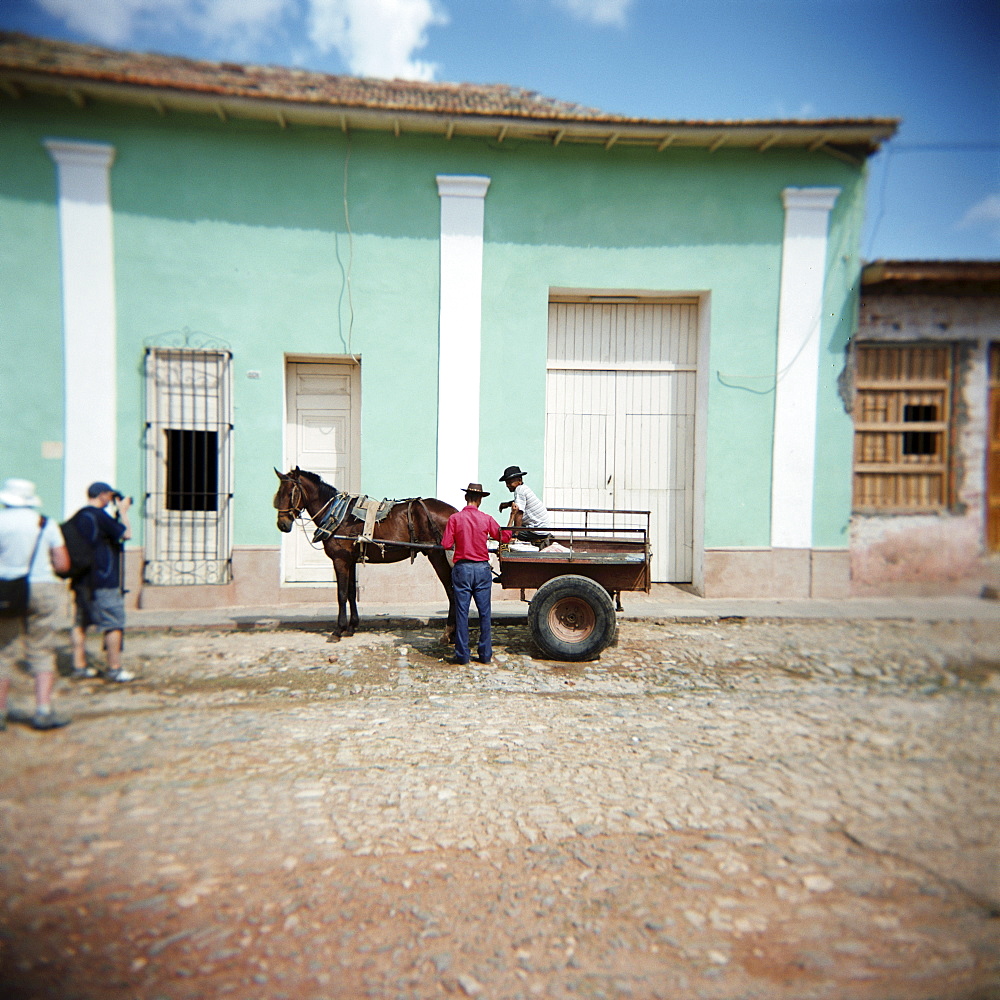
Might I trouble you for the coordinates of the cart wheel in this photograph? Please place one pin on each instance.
(572, 618)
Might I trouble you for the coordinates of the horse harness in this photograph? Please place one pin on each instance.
(341, 506)
(345, 507)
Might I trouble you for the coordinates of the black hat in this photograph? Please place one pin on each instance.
(476, 488)
(512, 472)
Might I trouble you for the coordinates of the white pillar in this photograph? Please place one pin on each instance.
(460, 329)
(89, 323)
(800, 320)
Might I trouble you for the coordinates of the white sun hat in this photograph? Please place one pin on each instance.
(19, 493)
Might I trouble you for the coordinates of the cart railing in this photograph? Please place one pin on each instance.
(607, 524)
(610, 547)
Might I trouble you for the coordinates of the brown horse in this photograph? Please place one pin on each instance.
(418, 524)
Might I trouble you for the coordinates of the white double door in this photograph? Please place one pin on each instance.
(620, 418)
(322, 435)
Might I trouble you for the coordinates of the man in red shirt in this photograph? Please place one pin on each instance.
(471, 577)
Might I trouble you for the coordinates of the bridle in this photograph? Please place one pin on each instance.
(295, 505)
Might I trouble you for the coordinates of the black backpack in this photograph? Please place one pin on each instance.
(15, 595)
(81, 550)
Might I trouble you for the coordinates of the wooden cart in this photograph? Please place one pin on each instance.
(578, 583)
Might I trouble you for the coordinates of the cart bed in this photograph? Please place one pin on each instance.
(616, 557)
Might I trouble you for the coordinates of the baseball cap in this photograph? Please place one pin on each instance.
(96, 489)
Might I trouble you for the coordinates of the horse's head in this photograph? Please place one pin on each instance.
(288, 501)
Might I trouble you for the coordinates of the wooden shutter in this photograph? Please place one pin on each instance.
(902, 419)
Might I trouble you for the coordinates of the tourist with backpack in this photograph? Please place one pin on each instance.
(31, 598)
(98, 589)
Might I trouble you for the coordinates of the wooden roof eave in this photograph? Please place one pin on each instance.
(922, 277)
(864, 136)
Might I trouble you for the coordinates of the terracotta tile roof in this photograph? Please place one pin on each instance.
(89, 72)
(91, 62)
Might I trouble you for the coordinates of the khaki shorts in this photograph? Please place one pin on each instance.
(46, 623)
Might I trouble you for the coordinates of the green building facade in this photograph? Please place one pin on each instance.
(428, 268)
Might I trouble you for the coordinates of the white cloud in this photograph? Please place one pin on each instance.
(115, 22)
(224, 17)
(107, 21)
(377, 37)
(598, 11)
(804, 111)
(985, 213)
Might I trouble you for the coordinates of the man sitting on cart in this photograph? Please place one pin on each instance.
(527, 512)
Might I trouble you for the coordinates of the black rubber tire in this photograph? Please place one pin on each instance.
(572, 618)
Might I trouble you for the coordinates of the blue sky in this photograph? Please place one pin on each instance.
(934, 190)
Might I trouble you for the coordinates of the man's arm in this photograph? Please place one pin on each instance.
(123, 508)
(497, 533)
(514, 521)
(59, 557)
(448, 538)
(114, 529)
(58, 553)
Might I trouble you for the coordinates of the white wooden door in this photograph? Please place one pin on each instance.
(620, 418)
(321, 436)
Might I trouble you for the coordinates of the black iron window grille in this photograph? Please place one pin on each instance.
(189, 466)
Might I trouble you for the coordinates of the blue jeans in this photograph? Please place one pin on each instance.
(472, 581)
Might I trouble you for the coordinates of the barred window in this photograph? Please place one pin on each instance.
(902, 428)
(189, 459)
(192, 469)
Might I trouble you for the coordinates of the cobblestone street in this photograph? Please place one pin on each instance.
(715, 808)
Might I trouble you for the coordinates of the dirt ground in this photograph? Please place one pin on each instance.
(718, 808)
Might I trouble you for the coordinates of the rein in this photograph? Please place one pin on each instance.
(296, 507)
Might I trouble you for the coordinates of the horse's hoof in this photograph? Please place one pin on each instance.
(333, 637)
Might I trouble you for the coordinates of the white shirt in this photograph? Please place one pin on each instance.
(535, 514)
(18, 533)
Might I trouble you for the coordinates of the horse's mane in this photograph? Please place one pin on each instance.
(317, 480)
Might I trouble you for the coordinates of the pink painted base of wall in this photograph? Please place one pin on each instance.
(256, 583)
(792, 573)
(920, 556)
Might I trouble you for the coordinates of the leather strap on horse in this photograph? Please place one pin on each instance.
(336, 513)
(412, 531)
(409, 528)
(430, 524)
(370, 507)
